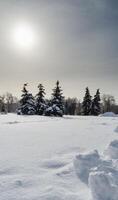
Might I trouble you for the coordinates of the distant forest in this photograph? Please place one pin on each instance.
(57, 105)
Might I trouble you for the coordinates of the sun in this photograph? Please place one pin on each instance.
(23, 36)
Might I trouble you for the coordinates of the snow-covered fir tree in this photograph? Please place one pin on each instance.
(96, 107)
(40, 100)
(86, 105)
(27, 103)
(56, 107)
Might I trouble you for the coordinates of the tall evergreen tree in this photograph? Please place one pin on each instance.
(96, 108)
(27, 103)
(40, 101)
(86, 105)
(56, 104)
(57, 96)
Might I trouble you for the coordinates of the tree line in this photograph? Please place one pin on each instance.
(106, 104)
(57, 105)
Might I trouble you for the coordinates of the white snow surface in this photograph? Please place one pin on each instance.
(37, 154)
(108, 114)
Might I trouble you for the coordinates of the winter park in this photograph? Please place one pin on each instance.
(58, 100)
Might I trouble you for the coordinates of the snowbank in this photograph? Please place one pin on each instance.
(108, 114)
(102, 186)
(112, 150)
(103, 182)
(101, 174)
(84, 162)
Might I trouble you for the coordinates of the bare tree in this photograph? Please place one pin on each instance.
(11, 102)
(108, 102)
(71, 106)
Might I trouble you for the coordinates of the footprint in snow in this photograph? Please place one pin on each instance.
(53, 164)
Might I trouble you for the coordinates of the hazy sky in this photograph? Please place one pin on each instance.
(75, 41)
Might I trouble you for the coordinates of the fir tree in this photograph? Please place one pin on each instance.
(27, 104)
(96, 108)
(40, 101)
(56, 104)
(86, 105)
(57, 98)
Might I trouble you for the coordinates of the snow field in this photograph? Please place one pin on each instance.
(37, 157)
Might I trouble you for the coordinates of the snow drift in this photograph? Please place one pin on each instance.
(112, 150)
(84, 162)
(101, 174)
(108, 114)
(103, 181)
(102, 186)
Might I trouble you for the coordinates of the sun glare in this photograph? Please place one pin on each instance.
(23, 37)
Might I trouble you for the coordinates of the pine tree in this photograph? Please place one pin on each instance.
(57, 98)
(27, 103)
(56, 104)
(96, 108)
(86, 105)
(40, 101)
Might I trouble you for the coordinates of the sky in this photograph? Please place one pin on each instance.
(74, 41)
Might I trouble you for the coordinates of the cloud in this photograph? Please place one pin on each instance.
(79, 42)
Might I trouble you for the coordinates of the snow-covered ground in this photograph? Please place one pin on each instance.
(43, 158)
